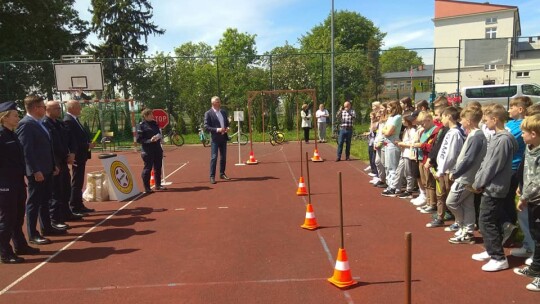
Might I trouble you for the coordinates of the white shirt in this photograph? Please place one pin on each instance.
(321, 115)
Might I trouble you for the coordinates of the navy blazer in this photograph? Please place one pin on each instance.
(211, 124)
(78, 141)
(37, 147)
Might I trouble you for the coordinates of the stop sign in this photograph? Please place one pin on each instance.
(161, 117)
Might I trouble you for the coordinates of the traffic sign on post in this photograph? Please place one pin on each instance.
(161, 117)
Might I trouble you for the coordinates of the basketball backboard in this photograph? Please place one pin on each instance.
(87, 76)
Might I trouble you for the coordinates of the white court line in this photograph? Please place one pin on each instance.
(24, 276)
(201, 208)
(180, 209)
(223, 207)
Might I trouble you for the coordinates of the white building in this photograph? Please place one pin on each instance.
(460, 23)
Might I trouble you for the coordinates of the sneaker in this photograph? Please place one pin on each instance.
(429, 209)
(419, 201)
(367, 169)
(521, 252)
(435, 223)
(381, 185)
(509, 230)
(494, 265)
(527, 272)
(389, 193)
(372, 174)
(465, 238)
(405, 195)
(482, 256)
(528, 261)
(534, 285)
(448, 216)
(453, 227)
(375, 180)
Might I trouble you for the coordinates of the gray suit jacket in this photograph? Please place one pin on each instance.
(37, 147)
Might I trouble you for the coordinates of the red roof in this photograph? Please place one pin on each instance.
(451, 8)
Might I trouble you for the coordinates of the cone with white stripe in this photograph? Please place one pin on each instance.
(310, 222)
(316, 157)
(252, 160)
(152, 179)
(342, 277)
(302, 191)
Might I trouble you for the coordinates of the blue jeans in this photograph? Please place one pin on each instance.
(345, 135)
(222, 148)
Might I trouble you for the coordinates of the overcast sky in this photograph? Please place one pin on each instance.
(407, 23)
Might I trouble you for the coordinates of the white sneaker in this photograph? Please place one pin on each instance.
(419, 201)
(528, 261)
(372, 174)
(482, 256)
(521, 252)
(375, 180)
(367, 169)
(494, 265)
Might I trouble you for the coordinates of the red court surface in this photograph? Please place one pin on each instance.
(240, 241)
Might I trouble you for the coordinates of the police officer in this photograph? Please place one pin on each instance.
(12, 188)
(149, 136)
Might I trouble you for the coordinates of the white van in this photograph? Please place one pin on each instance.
(500, 93)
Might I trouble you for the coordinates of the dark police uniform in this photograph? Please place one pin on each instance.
(152, 153)
(12, 192)
(61, 189)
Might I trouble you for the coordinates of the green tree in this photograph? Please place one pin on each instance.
(36, 30)
(399, 59)
(122, 25)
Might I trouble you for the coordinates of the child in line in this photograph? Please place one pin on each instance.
(493, 180)
(460, 200)
(449, 150)
(408, 154)
(530, 197)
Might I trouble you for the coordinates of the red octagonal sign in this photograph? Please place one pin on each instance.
(161, 117)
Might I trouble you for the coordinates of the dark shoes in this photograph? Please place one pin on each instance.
(27, 251)
(87, 210)
(74, 217)
(12, 259)
(225, 177)
(60, 225)
(212, 180)
(148, 191)
(39, 240)
(161, 188)
(338, 159)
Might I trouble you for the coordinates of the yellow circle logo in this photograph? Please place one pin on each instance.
(121, 177)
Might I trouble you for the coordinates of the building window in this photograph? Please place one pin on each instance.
(490, 67)
(523, 74)
(388, 86)
(491, 32)
(491, 20)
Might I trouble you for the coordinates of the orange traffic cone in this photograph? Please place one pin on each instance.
(310, 222)
(302, 191)
(342, 274)
(152, 179)
(252, 160)
(316, 157)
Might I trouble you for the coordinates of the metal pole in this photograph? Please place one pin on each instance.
(332, 63)
(341, 211)
(307, 176)
(459, 65)
(408, 266)
(301, 156)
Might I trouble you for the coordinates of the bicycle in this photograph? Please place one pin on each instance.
(276, 137)
(205, 140)
(243, 138)
(174, 137)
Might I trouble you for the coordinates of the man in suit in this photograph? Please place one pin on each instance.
(40, 167)
(61, 183)
(216, 122)
(80, 145)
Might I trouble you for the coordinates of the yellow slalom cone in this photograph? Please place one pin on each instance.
(342, 277)
(310, 222)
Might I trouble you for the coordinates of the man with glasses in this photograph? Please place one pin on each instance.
(40, 168)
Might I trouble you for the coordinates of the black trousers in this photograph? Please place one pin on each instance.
(534, 226)
(39, 194)
(153, 159)
(508, 209)
(77, 181)
(61, 193)
(489, 220)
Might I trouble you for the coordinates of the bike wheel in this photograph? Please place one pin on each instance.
(177, 139)
(205, 142)
(280, 138)
(272, 141)
(244, 139)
